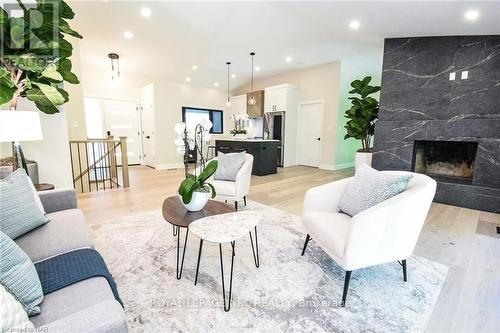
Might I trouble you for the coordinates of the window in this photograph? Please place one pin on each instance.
(193, 116)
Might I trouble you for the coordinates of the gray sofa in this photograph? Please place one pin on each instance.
(86, 306)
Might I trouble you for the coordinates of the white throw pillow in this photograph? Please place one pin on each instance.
(369, 188)
(229, 165)
(13, 318)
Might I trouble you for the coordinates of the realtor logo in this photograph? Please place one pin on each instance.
(30, 27)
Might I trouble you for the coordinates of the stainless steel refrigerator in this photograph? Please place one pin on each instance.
(276, 121)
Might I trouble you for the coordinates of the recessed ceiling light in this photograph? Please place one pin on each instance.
(288, 59)
(194, 67)
(146, 12)
(257, 68)
(188, 79)
(216, 84)
(471, 15)
(128, 35)
(354, 25)
(233, 76)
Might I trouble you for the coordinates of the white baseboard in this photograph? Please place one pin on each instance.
(337, 166)
(169, 166)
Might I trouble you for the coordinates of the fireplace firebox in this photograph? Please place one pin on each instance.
(451, 161)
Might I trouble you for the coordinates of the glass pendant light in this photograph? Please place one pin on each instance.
(228, 103)
(251, 100)
(115, 66)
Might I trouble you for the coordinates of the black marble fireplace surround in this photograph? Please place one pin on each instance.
(420, 105)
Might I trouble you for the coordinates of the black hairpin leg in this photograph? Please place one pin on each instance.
(179, 271)
(256, 259)
(245, 200)
(346, 287)
(305, 244)
(236, 205)
(403, 264)
(228, 306)
(198, 264)
(174, 230)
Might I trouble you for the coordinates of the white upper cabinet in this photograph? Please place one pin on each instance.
(278, 98)
(238, 104)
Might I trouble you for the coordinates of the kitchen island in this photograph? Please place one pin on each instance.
(264, 152)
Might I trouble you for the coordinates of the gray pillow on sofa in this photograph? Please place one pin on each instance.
(19, 211)
(370, 187)
(229, 165)
(18, 275)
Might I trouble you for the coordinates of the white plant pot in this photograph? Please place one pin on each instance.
(198, 201)
(362, 158)
(240, 136)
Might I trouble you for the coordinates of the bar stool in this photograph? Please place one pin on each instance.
(210, 152)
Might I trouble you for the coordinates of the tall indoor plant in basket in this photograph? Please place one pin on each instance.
(194, 190)
(362, 117)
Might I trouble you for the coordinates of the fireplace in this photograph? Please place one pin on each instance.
(450, 161)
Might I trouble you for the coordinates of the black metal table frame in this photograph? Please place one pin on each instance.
(255, 252)
(176, 231)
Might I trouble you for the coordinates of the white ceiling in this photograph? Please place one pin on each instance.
(180, 34)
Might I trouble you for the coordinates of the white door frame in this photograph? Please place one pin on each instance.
(301, 104)
(103, 114)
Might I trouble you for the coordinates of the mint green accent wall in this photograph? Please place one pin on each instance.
(351, 70)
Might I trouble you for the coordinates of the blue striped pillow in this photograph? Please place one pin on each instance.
(19, 212)
(18, 275)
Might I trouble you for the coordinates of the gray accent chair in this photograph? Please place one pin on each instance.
(86, 306)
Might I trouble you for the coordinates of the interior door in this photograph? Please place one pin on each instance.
(122, 120)
(310, 132)
(148, 139)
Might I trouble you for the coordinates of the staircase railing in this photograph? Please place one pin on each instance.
(97, 164)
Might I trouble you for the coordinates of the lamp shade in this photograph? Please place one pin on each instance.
(20, 126)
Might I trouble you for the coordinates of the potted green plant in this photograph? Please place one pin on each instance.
(194, 190)
(34, 58)
(362, 117)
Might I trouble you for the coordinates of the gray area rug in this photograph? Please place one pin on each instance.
(288, 293)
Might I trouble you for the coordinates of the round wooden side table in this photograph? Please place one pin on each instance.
(179, 217)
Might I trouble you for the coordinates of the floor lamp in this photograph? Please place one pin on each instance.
(17, 126)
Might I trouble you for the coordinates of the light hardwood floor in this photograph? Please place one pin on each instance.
(463, 239)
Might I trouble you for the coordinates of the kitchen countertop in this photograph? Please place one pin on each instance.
(247, 140)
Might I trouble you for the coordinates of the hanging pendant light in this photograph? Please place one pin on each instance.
(228, 103)
(251, 100)
(115, 66)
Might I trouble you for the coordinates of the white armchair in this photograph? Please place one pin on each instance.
(237, 190)
(383, 233)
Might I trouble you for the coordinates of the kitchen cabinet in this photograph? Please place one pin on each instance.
(278, 98)
(238, 105)
(264, 153)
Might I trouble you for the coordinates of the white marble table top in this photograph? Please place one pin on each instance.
(225, 228)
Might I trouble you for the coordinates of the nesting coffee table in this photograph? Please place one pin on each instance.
(179, 217)
(227, 228)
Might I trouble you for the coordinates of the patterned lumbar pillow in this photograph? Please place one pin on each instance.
(370, 187)
(13, 318)
(18, 275)
(229, 165)
(19, 211)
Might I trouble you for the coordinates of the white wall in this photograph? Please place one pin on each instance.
(51, 153)
(168, 102)
(314, 83)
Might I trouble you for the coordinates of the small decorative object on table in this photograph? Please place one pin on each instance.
(194, 190)
(362, 117)
(239, 131)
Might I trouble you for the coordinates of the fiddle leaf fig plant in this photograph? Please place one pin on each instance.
(34, 54)
(198, 183)
(363, 113)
